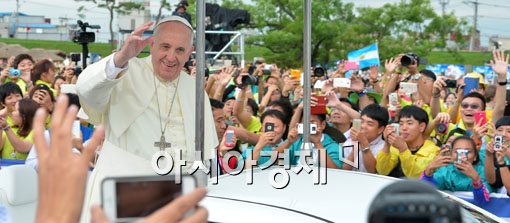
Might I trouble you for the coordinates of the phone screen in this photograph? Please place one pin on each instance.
(230, 137)
(139, 199)
(269, 127)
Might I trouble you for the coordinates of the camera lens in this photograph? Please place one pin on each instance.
(248, 80)
(319, 71)
(406, 60)
(442, 128)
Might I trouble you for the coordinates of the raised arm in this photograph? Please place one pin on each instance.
(95, 84)
(499, 66)
(435, 102)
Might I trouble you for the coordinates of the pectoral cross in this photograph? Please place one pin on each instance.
(162, 144)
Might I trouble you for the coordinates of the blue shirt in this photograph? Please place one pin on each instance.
(331, 146)
(264, 154)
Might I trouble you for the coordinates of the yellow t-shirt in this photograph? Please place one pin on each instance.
(37, 82)
(8, 151)
(412, 165)
(254, 125)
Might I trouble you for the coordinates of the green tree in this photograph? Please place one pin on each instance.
(163, 4)
(114, 6)
(338, 28)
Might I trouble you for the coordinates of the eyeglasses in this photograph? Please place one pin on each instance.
(473, 106)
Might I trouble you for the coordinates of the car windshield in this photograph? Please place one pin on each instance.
(470, 215)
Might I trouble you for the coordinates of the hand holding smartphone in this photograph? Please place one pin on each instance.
(480, 118)
(126, 199)
(229, 138)
(342, 82)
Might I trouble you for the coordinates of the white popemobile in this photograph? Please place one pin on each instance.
(346, 197)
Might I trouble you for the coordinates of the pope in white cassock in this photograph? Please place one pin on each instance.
(143, 103)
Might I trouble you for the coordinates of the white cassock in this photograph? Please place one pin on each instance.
(128, 109)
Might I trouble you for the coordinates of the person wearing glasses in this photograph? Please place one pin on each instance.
(471, 104)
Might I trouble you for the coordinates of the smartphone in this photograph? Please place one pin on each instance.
(471, 84)
(396, 128)
(313, 128)
(342, 82)
(356, 123)
(126, 199)
(295, 74)
(480, 118)
(320, 108)
(229, 138)
(269, 127)
(393, 99)
(462, 155)
(498, 143)
(268, 67)
(409, 87)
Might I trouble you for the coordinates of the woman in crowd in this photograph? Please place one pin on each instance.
(23, 63)
(272, 132)
(43, 95)
(10, 94)
(16, 141)
(456, 173)
(59, 80)
(44, 73)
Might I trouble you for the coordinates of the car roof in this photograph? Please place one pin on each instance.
(346, 197)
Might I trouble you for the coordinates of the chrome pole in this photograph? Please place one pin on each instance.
(199, 93)
(307, 32)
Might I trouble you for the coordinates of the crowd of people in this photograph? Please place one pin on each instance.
(455, 139)
(436, 132)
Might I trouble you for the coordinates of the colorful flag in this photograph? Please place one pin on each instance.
(366, 57)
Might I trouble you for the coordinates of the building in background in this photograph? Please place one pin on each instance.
(31, 27)
(500, 42)
(136, 18)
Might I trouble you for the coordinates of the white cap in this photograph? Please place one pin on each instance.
(174, 19)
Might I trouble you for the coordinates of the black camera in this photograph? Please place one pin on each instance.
(319, 71)
(412, 201)
(82, 36)
(442, 128)
(248, 80)
(451, 83)
(409, 59)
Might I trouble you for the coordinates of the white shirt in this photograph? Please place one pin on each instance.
(375, 147)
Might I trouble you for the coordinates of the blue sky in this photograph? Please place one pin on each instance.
(494, 17)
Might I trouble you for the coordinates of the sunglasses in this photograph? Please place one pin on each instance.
(473, 106)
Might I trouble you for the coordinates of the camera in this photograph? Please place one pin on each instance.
(269, 127)
(412, 201)
(451, 83)
(319, 71)
(14, 72)
(82, 36)
(498, 142)
(442, 128)
(75, 57)
(313, 129)
(248, 80)
(409, 59)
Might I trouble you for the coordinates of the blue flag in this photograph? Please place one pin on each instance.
(368, 56)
